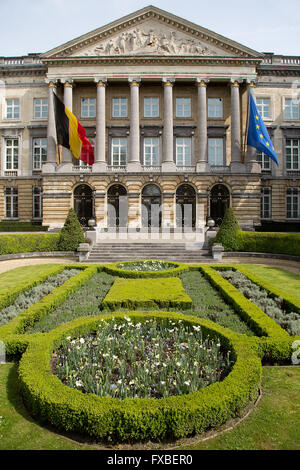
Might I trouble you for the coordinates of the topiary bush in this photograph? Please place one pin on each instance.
(227, 234)
(71, 234)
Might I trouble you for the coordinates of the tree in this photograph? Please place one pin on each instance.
(228, 231)
(71, 234)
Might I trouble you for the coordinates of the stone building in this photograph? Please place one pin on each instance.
(164, 102)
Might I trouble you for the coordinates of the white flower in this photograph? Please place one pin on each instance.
(81, 340)
(78, 383)
(197, 328)
(68, 338)
(187, 382)
(162, 382)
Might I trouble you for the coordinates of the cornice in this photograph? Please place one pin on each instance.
(151, 60)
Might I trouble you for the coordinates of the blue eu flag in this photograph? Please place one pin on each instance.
(258, 136)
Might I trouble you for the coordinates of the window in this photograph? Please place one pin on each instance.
(264, 161)
(88, 107)
(183, 151)
(266, 203)
(292, 203)
(37, 201)
(12, 109)
(263, 107)
(214, 108)
(119, 150)
(291, 108)
(11, 154)
(216, 151)
(119, 107)
(183, 107)
(11, 202)
(151, 107)
(151, 151)
(292, 154)
(39, 153)
(40, 108)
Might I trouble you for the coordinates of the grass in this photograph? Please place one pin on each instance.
(15, 277)
(286, 281)
(273, 424)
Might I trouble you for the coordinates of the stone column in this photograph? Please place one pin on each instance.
(100, 161)
(134, 163)
(168, 163)
(202, 163)
(68, 102)
(236, 164)
(50, 166)
(252, 165)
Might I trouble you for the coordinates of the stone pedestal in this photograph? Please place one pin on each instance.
(217, 251)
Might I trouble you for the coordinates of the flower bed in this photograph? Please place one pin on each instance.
(147, 293)
(141, 360)
(152, 268)
(272, 306)
(34, 295)
(131, 418)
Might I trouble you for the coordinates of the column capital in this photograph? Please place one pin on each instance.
(235, 81)
(67, 82)
(134, 81)
(251, 82)
(202, 81)
(51, 82)
(168, 81)
(100, 81)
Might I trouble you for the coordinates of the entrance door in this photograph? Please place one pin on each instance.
(83, 203)
(185, 206)
(219, 201)
(117, 206)
(151, 206)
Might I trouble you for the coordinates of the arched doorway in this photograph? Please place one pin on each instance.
(219, 201)
(116, 206)
(84, 203)
(185, 206)
(151, 206)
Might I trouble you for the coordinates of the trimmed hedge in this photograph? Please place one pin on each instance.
(264, 242)
(23, 243)
(147, 293)
(10, 226)
(12, 333)
(136, 419)
(274, 343)
(8, 296)
(120, 272)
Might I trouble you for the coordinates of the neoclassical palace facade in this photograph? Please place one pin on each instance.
(164, 102)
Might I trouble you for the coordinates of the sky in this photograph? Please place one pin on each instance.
(39, 25)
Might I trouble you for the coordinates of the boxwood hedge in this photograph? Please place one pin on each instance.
(136, 419)
(26, 243)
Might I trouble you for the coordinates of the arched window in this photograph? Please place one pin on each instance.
(219, 201)
(117, 206)
(151, 206)
(185, 206)
(83, 203)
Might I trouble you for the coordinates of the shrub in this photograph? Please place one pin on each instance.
(71, 234)
(227, 234)
(33, 242)
(264, 242)
(22, 227)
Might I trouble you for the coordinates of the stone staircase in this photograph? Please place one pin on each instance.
(181, 252)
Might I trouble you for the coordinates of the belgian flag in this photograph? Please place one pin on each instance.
(71, 134)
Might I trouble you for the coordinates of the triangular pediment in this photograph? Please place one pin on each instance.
(151, 32)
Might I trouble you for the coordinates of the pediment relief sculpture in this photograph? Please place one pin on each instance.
(150, 41)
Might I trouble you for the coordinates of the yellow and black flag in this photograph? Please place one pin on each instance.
(71, 134)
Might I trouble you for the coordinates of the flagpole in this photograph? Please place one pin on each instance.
(251, 85)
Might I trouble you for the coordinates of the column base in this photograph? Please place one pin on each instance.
(49, 167)
(237, 167)
(253, 167)
(99, 167)
(202, 167)
(65, 168)
(168, 166)
(134, 167)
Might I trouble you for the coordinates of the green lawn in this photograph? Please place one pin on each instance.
(15, 277)
(284, 280)
(274, 424)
